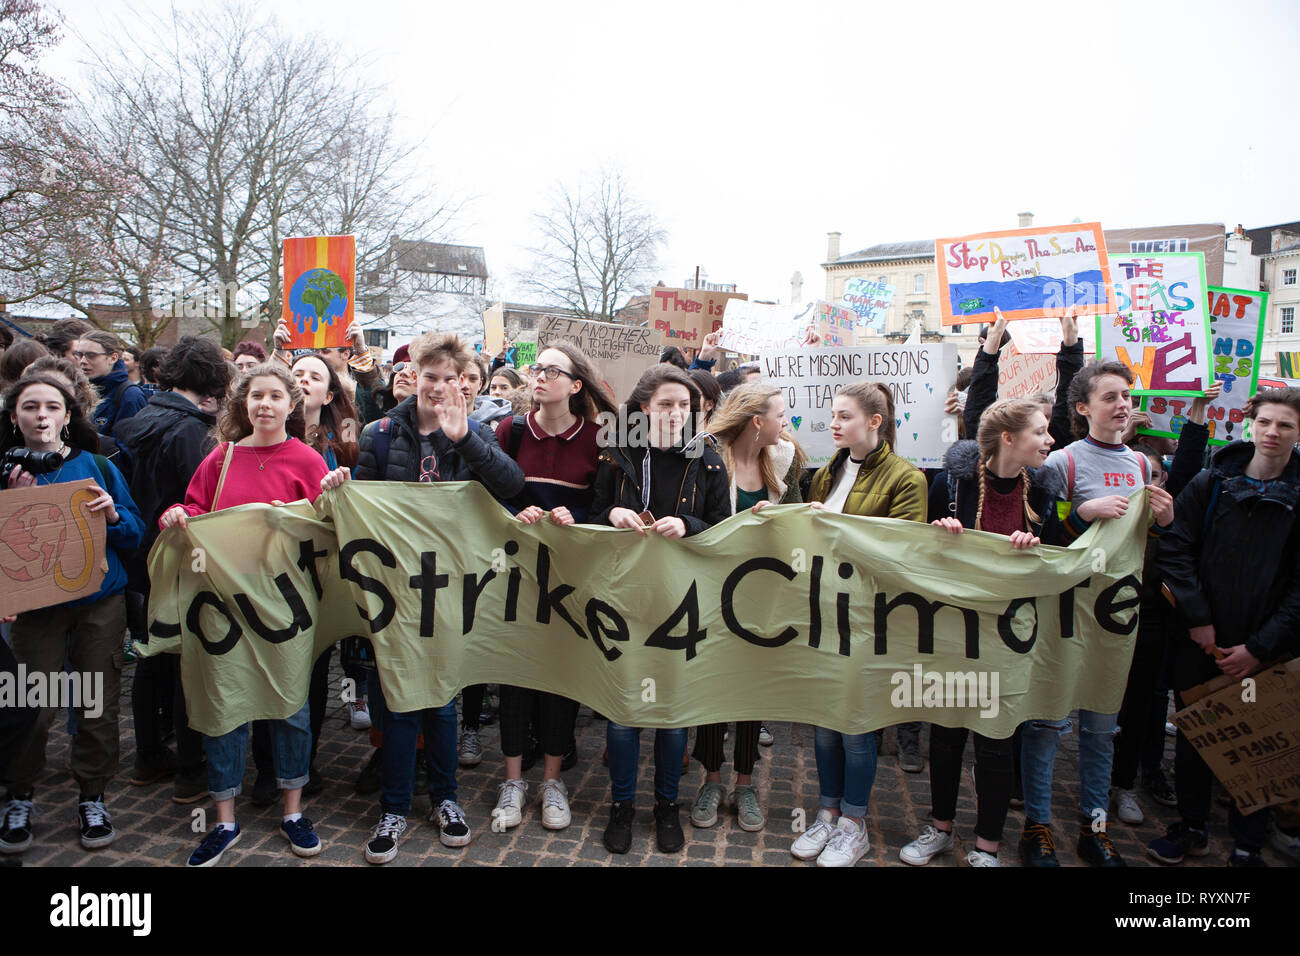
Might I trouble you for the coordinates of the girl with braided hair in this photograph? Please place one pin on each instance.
(995, 484)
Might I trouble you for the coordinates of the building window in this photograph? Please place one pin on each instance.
(1288, 277)
(377, 338)
(1288, 320)
(955, 329)
(918, 283)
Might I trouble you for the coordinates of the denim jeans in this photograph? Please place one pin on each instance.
(624, 747)
(401, 731)
(846, 769)
(1096, 753)
(290, 752)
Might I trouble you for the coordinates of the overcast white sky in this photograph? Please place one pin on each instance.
(753, 129)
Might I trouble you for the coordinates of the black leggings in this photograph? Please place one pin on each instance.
(471, 700)
(708, 746)
(1143, 678)
(556, 717)
(993, 773)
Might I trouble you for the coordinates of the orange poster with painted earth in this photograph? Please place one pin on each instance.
(320, 290)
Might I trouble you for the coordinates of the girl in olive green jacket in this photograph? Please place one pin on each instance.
(864, 478)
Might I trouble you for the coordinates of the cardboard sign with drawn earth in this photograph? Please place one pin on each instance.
(51, 546)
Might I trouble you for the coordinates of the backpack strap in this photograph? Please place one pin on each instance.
(102, 464)
(517, 424)
(1069, 475)
(1144, 466)
(383, 438)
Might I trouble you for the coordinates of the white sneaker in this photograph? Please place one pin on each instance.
(1127, 808)
(765, 737)
(555, 805)
(926, 847)
(982, 858)
(813, 840)
(469, 752)
(510, 805)
(359, 715)
(847, 845)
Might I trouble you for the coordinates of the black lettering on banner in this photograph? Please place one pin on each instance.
(1008, 633)
(195, 626)
(617, 632)
(512, 585)
(300, 618)
(158, 629)
(307, 562)
(1107, 607)
(925, 614)
(729, 594)
(470, 589)
(548, 598)
(366, 583)
(814, 604)
(427, 582)
(842, 610)
(1067, 607)
(690, 609)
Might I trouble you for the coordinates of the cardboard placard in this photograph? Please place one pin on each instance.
(51, 546)
(1020, 375)
(494, 329)
(1237, 333)
(917, 375)
(870, 300)
(320, 290)
(1026, 273)
(1249, 734)
(1288, 363)
(1159, 327)
(1036, 336)
(621, 352)
(682, 317)
(836, 325)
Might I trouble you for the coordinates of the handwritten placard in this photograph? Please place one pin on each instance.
(1236, 332)
(753, 327)
(870, 300)
(51, 545)
(918, 376)
(1036, 336)
(682, 317)
(621, 352)
(1026, 273)
(836, 325)
(1022, 375)
(1159, 328)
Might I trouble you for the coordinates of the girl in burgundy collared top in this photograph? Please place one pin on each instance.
(556, 447)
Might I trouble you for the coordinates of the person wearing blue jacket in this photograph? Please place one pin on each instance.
(44, 416)
(100, 357)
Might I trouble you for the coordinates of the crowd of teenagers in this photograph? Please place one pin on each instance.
(171, 434)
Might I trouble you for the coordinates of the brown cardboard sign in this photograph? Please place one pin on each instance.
(682, 317)
(621, 352)
(1249, 733)
(51, 546)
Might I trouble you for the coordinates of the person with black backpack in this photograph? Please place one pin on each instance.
(555, 446)
(429, 437)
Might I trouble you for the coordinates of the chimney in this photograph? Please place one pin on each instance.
(832, 246)
(1026, 219)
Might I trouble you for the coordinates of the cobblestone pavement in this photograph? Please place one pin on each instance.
(153, 831)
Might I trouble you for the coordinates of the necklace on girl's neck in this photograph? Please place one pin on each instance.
(261, 462)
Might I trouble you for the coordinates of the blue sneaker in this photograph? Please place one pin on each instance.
(301, 839)
(214, 844)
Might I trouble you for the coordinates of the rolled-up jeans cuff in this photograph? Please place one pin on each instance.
(293, 783)
(852, 809)
(829, 803)
(228, 794)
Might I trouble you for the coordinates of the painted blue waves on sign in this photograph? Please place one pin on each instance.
(1031, 292)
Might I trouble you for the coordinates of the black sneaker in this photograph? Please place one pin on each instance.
(618, 833)
(1037, 848)
(190, 788)
(151, 769)
(453, 830)
(1095, 849)
(264, 792)
(668, 827)
(371, 777)
(384, 838)
(16, 826)
(96, 828)
(910, 759)
(1180, 840)
(1158, 789)
(1240, 857)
